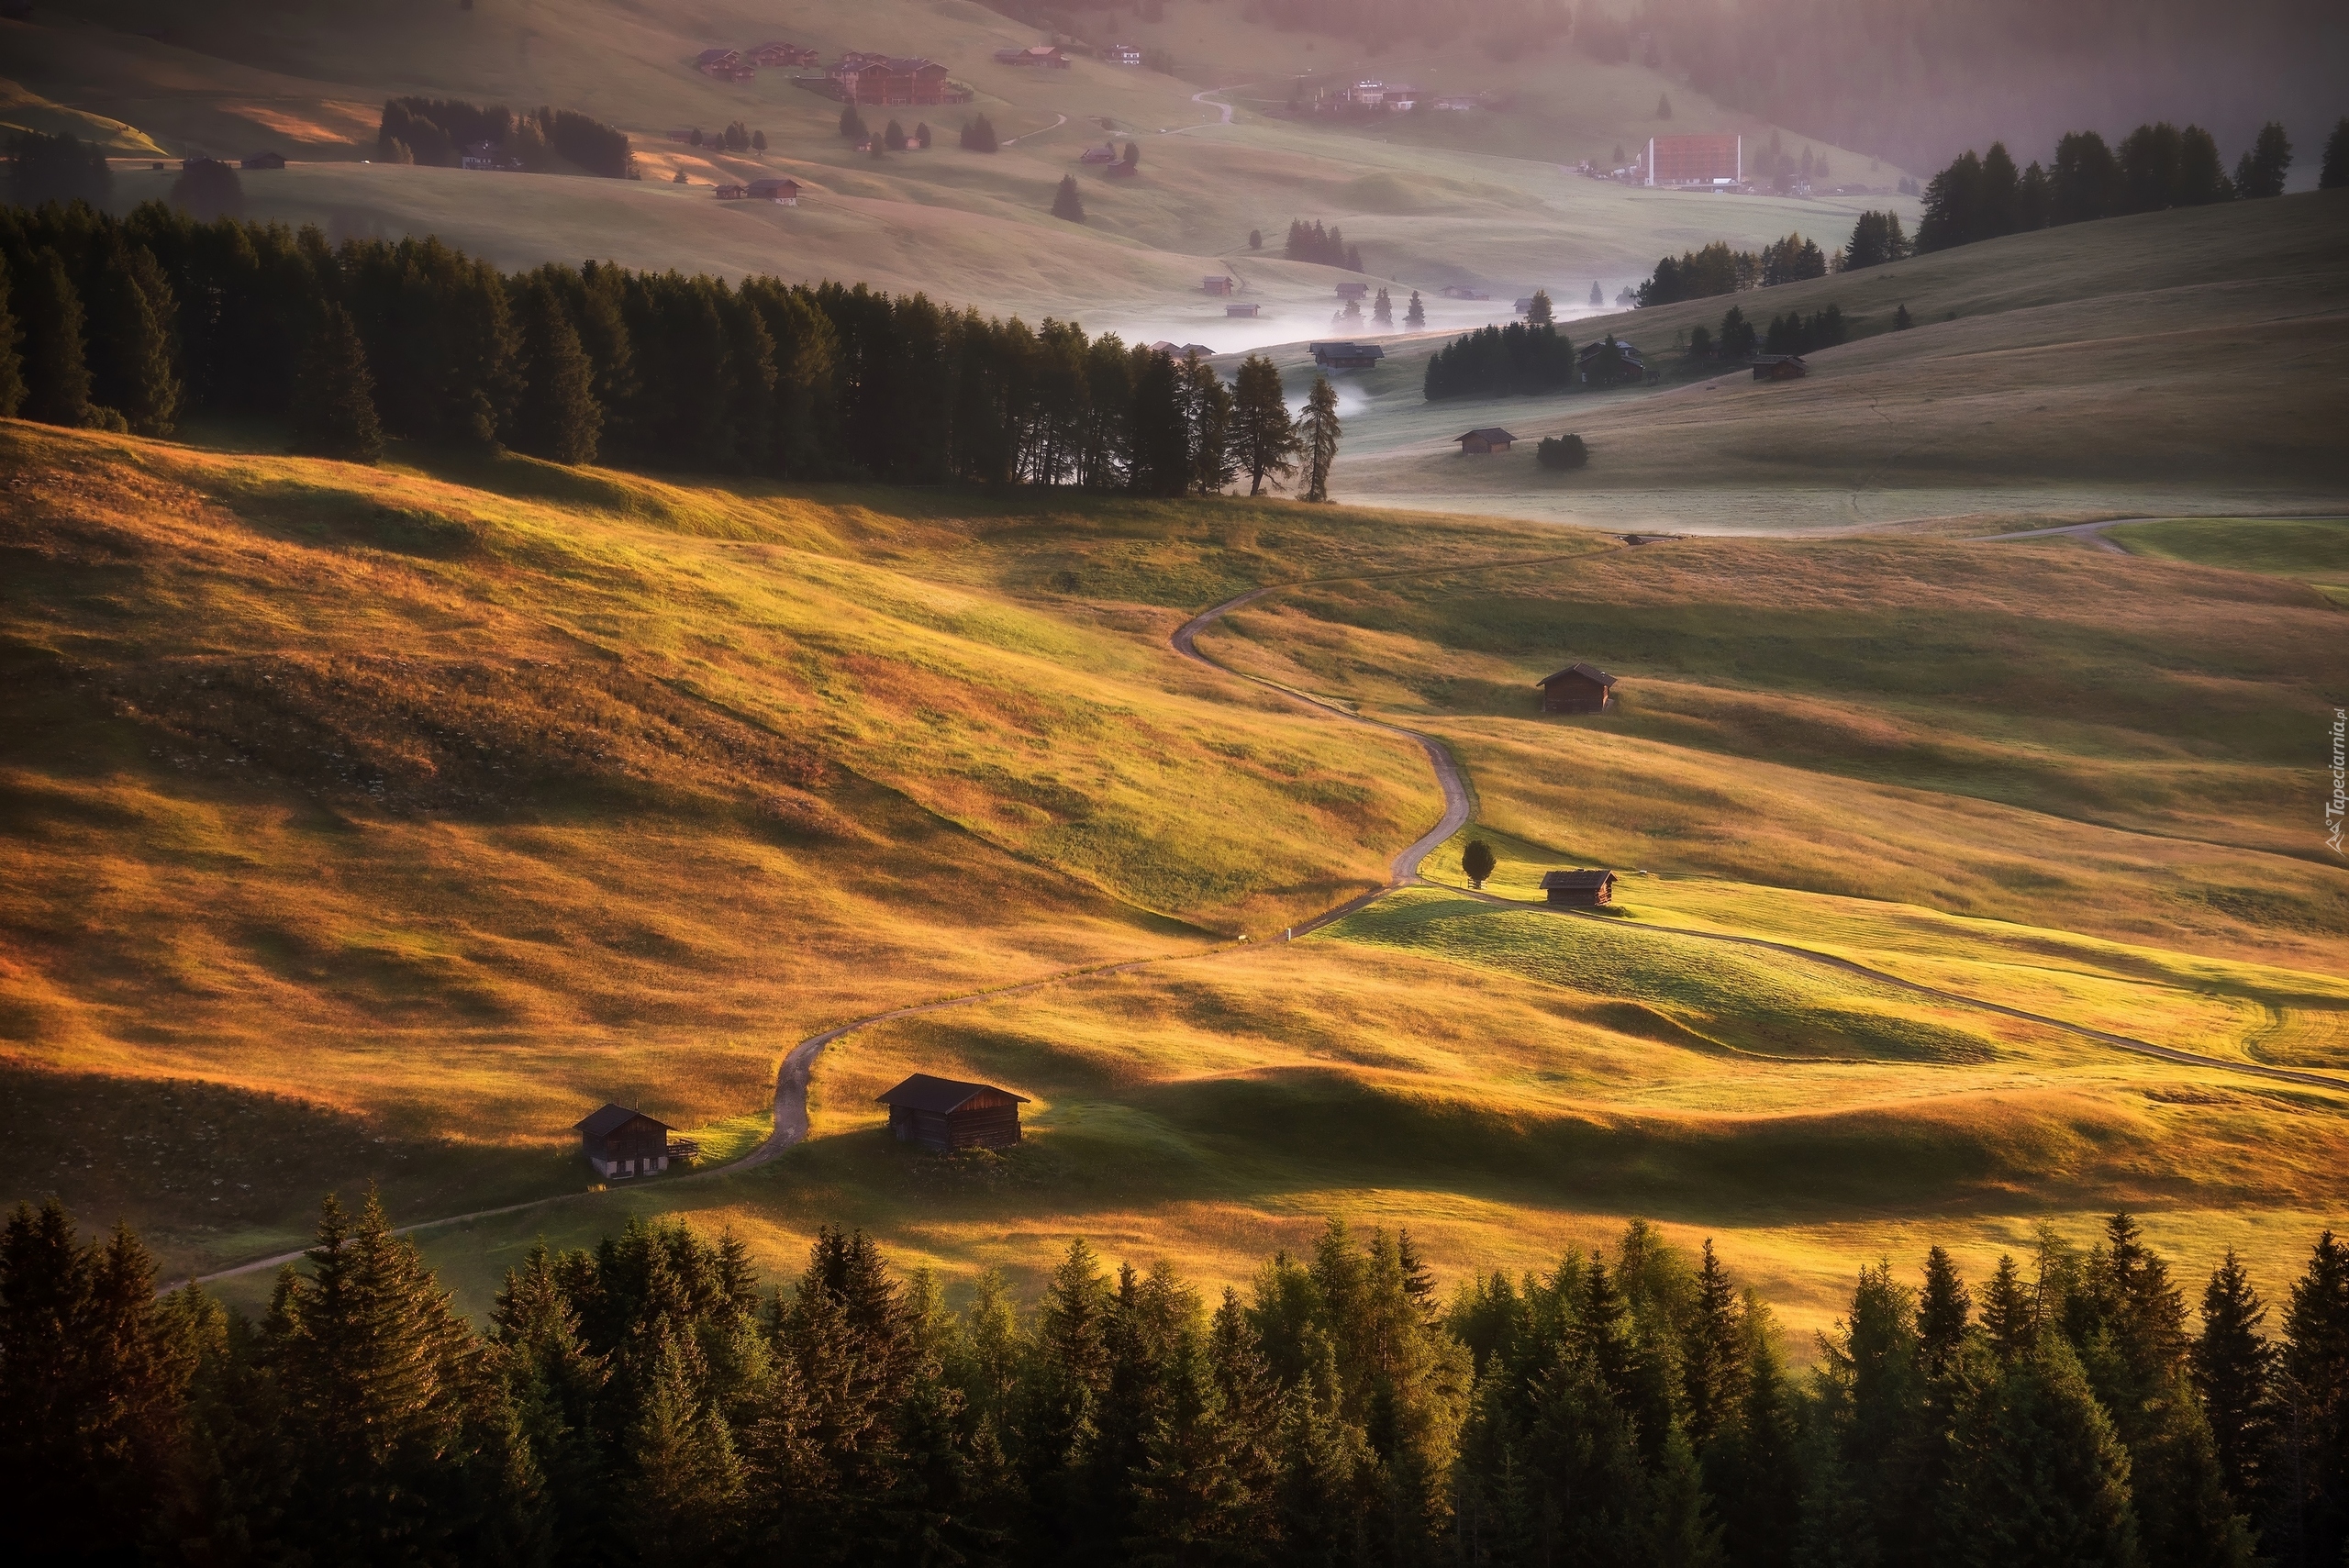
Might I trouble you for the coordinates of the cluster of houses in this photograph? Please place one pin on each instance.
(782, 193)
(1392, 97)
(860, 76)
(743, 65)
(1055, 57)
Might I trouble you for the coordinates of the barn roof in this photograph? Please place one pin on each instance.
(613, 1116)
(1490, 433)
(1587, 672)
(943, 1095)
(1576, 881)
(1775, 359)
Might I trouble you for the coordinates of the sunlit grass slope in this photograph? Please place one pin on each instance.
(2033, 733)
(1505, 1084)
(453, 805)
(2085, 371)
(2314, 551)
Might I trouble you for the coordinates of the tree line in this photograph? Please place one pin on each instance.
(1499, 361)
(647, 1402)
(133, 323)
(2157, 166)
(1311, 242)
(1718, 270)
(438, 130)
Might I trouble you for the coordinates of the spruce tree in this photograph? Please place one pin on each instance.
(1541, 312)
(1263, 437)
(57, 375)
(1941, 1313)
(852, 123)
(1160, 446)
(1319, 433)
(1066, 202)
(1206, 414)
(130, 338)
(2040, 1476)
(893, 137)
(2333, 173)
(2261, 172)
(334, 396)
(1712, 1347)
(1416, 316)
(12, 364)
(558, 417)
(2312, 1473)
(2232, 1364)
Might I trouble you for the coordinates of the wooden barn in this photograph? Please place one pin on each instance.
(1347, 356)
(620, 1142)
(1583, 887)
(1577, 688)
(266, 160)
(783, 193)
(1220, 283)
(1491, 439)
(1245, 309)
(943, 1114)
(1779, 367)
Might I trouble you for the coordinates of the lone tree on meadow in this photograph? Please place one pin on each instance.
(1319, 431)
(1478, 860)
(1663, 106)
(1562, 452)
(1417, 315)
(1255, 240)
(1133, 155)
(1540, 312)
(334, 396)
(852, 123)
(1066, 202)
(1902, 320)
(1597, 297)
(1263, 437)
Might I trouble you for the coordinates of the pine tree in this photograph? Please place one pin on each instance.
(852, 123)
(2261, 172)
(2233, 1366)
(1383, 309)
(1901, 319)
(893, 137)
(1416, 316)
(1941, 1313)
(2313, 1470)
(1255, 240)
(1712, 1351)
(130, 338)
(1263, 437)
(687, 1477)
(1066, 202)
(12, 364)
(1207, 414)
(1597, 298)
(1664, 105)
(209, 189)
(334, 401)
(2333, 173)
(2039, 1477)
(57, 375)
(557, 418)
(1319, 433)
(1540, 312)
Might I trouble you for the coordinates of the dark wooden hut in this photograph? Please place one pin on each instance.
(621, 1141)
(942, 1114)
(1779, 367)
(1577, 688)
(1490, 439)
(1583, 887)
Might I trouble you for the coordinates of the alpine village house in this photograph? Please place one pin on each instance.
(621, 1141)
(946, 1114)
(1577, 688)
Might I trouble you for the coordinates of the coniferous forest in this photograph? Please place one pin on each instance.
(649, 1402)
(134, 323)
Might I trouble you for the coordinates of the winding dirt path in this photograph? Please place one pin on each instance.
(798, 1064)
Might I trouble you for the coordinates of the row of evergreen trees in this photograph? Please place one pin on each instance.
(2155, 166)
(1499, 361)
(1718, 270)
(1311, 242)
(438, 130)
(131, 322)
(647, 1403)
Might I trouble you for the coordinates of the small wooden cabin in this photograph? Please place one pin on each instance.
(1581, 887)
(1220, 283)
(1577, 688)
(1779, 367)
(1347, 356)
(266, 160)
(1248, 308)
(621, 1141)
(1491, 439)
(944, 1114)
(1353, 291)
(782, 193)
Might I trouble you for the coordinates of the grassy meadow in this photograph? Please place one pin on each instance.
(382, 821)
(2075, 372)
